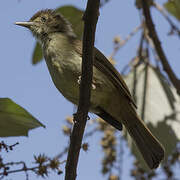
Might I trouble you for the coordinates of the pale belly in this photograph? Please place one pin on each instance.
(64, 65)
(66, 75)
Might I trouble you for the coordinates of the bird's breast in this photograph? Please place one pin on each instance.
(65, 70)
(64, 65)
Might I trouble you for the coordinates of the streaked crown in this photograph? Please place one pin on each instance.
(47, 21)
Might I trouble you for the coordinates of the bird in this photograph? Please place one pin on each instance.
(110, 99)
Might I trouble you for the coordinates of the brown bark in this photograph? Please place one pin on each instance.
(157, 44)
(90, 19)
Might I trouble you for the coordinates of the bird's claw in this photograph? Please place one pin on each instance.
(93, 84)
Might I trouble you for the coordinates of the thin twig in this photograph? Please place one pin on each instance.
(140, 49)
(149, 41)
(163, 12)
(20, 170)
(25, 169)
(139, 55)
(60, 155)
(152, 33)
(123, 42)
(90, 20)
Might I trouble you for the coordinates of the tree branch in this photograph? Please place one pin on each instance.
(153, 35)
(90, 19)
(122, 42)
(163, 12)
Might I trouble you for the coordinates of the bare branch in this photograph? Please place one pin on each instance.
(153, 35)
(163, 12)
(42, 169)
(65, 150)
(121, 43)
(90, 20)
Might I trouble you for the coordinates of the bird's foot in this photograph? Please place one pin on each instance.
(93, 84)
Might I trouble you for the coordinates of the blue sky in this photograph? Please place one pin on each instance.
(31, 86)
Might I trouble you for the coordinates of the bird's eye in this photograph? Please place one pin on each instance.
(43, 19)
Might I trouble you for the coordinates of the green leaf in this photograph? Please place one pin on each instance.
(161, 102)
(74, 16)
(14, 120)
(173, 7)
(37, 54)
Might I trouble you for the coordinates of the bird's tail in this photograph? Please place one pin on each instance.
(150, 148)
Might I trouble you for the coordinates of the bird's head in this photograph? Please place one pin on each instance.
(45, 22)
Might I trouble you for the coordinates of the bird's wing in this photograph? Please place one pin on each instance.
(104, 65)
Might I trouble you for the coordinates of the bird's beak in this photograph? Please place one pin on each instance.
(25, 24)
